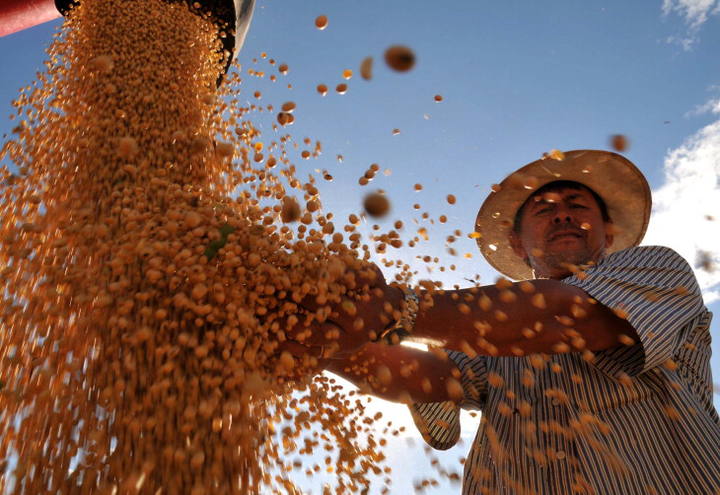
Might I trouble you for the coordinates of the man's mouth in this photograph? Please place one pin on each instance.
(565, 234)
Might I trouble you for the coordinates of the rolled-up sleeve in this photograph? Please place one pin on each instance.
(439, 422)
(656, 290)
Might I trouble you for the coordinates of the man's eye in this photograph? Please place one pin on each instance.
(579, 206)
(542, 210)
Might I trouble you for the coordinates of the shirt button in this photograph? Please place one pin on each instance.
(555, 402)
(560, 455)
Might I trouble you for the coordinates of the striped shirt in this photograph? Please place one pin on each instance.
(636, 420)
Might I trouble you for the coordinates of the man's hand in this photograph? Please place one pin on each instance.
(398, 373)
(336, 329)
(371, 309)
(323, 342)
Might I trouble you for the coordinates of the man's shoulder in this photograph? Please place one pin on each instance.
(647, 266)
(646, 256)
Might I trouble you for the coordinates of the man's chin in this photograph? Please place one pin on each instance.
(564, 259)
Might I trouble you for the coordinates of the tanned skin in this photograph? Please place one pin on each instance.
(558, 231)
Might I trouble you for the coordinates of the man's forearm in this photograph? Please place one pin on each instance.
(400, 374)
(542, 316)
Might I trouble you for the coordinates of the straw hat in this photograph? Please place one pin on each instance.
(613, 177)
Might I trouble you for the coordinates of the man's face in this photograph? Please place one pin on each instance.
(561, 228)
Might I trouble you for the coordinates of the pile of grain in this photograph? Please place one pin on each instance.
(149, 274)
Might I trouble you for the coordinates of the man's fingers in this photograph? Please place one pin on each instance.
(373, 275)
(314, 334)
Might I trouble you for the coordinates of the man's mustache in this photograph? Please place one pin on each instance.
(563, 230)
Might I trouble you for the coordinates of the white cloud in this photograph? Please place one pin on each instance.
(711, 106)
(686, 211)
(695, 13)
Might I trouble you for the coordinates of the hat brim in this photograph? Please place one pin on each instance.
(613, 177)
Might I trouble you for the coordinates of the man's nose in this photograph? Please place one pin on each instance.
(562, 215)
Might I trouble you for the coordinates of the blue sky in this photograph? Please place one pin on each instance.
(518, 78)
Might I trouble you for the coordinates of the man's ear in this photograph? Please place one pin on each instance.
(516, 245)
(610, 229)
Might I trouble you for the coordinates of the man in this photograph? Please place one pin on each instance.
(593, 377)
